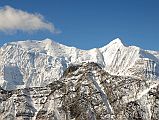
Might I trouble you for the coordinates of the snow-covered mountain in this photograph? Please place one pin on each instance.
(84, 92)
(37, 63)
(45, 80)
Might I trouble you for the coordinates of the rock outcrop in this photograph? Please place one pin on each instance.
(84, 92)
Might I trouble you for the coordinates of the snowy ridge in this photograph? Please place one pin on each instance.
(97, 95)
(34, 63)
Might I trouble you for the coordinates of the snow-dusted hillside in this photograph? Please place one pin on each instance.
(38, 63)
(84, 92)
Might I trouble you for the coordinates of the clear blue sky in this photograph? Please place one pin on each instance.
(93, 23)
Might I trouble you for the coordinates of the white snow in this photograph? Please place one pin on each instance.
(40, 62)
(103, 95)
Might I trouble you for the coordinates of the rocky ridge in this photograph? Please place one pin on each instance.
(84, 92)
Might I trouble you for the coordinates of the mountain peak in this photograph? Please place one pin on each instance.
(116, 41)
(47, 40)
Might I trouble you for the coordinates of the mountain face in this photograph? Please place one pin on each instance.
(26, 64)
(84, 92)
(45, 80)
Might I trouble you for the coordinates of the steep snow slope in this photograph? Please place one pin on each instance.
(84, 92)
(38, 63)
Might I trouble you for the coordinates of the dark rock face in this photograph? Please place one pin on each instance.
(85, 92)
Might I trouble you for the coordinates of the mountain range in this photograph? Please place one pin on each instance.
(45, 80)
(37, 63)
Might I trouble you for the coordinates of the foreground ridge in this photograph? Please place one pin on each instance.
(84, 92)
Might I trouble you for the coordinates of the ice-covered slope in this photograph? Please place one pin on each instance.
(38, 63)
